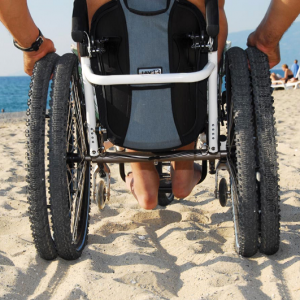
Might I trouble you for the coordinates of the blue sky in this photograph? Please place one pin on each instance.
(54, 19)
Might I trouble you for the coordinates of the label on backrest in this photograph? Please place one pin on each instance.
(157, 70)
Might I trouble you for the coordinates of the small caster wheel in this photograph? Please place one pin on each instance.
(165, 199)
(101, 194)
(223, 192)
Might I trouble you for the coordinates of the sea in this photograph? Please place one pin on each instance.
(14, 92)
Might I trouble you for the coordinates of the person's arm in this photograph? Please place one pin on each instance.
(279, 17)
(16, 17)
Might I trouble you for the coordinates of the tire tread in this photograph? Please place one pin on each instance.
(35, 133)
(267, 153)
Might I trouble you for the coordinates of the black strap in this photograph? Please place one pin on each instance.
(35, 45)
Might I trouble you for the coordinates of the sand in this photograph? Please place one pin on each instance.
(184, 251)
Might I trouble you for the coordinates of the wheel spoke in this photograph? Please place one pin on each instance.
(80, 126)
(69, 128)
(77, 204)
(76, 144)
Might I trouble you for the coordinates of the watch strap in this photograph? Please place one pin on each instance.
(35, 45)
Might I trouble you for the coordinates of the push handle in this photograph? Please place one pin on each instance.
(80, 22)
(212, 18)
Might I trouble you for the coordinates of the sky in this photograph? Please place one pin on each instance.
(54, 20)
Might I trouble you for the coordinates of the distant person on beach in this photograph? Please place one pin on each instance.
(295, 68)
(279, 17)
(288, 75)
(2, 110)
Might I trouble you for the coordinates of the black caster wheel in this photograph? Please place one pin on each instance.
(223, 190)
(165, 199)
(165, 195)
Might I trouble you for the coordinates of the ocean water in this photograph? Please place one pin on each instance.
(278, 71)
(14, 93)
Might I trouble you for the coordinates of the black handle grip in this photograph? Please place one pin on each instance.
(80, 23)
(212, 17)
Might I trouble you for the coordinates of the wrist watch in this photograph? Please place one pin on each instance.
(34, 47)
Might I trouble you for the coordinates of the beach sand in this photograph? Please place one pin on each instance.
(184, 251)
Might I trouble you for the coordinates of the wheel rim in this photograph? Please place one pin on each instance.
(234, 203)
(77, 168)
(232, 159)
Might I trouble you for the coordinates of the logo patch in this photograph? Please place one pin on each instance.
(157, 70)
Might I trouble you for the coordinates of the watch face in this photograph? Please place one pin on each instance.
(36, 45)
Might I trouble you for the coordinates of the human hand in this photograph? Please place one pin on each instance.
(272, 51)
(30, 58)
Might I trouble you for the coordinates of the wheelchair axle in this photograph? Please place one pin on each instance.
(125, 157)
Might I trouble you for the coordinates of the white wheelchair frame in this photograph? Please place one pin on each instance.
(210, 71)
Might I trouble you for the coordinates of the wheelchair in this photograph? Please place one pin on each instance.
(146, 78)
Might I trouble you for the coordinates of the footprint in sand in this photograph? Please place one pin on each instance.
(158, 218)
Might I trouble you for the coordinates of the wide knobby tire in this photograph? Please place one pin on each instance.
(36, 179)
(69, 172)
(267, 154)
(241, 152)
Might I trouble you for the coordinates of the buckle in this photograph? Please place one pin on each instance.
(200, 42)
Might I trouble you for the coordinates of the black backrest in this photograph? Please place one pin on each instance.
(80, 19)
(137, 36)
